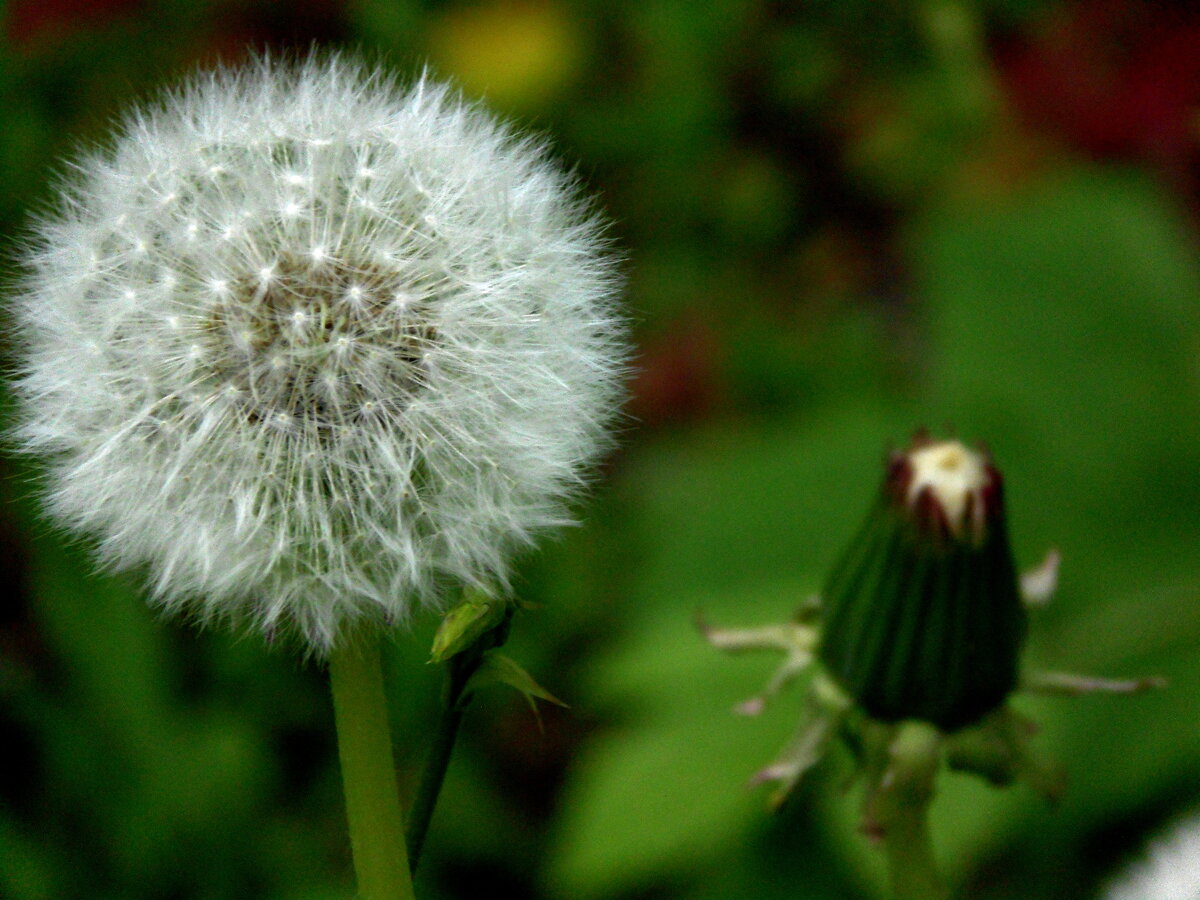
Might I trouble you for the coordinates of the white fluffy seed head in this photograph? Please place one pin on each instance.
(309, 346)
(1170, 869)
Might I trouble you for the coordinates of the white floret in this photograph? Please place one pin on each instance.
(310, 346)
(954, 473)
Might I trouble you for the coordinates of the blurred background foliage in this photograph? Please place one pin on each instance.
(842, 219)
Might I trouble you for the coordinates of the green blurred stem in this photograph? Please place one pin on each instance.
(455, 698)
(901, 806)
(911, 866)
(368, 771)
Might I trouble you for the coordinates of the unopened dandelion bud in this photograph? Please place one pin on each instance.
(923, 616)
(917, 638)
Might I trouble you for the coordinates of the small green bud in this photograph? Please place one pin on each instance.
(923, 617)
(466, 624)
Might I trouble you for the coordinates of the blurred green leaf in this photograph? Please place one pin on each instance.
(665, 787)
(1065, 332)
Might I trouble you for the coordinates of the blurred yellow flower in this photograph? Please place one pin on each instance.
(518, 54)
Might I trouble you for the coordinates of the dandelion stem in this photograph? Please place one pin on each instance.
(458, 672)
(368, 772)
(911, 866)
(467, 634)
(902, 803)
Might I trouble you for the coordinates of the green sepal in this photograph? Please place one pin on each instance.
(496, 668)
(1000, 749)
(922, 624)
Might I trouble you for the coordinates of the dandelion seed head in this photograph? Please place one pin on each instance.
(310, 346)
(1169, 870)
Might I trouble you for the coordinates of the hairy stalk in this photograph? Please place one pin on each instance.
(368, 771)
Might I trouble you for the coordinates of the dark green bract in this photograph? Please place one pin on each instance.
(923, 623)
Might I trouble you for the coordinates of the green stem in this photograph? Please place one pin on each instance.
(458, 672)
(368, 772)
(903, 760)
(911, 866)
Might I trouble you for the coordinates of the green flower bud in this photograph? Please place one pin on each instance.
(467, 624)
(923, 617)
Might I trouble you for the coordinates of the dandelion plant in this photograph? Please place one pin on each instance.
(314, 349)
